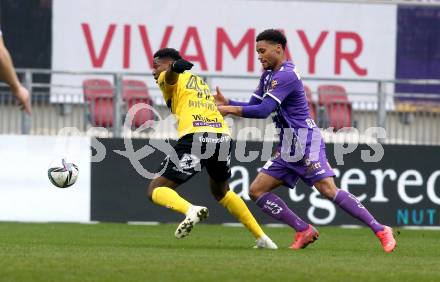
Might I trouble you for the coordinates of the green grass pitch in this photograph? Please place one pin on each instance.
(121, 252)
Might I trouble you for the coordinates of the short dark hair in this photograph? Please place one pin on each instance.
(167, 53)
(274, 36)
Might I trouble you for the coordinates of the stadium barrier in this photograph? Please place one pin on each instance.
(397, 192)
(112, 185)
(408, 118)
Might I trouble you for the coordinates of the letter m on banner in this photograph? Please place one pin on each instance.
(247, 40)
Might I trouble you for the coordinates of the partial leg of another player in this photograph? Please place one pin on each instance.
(271, 204)
(161, 192)
(237, 207)
(352, 206)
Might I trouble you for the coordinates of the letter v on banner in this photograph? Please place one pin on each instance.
(147, 45)
(193, 34)
(98, 60)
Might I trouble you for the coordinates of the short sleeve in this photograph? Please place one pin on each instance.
(167, 89)
(283, 83)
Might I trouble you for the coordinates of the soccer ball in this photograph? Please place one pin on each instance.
(62, 174)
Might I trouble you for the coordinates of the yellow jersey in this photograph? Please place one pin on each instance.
(190, 99)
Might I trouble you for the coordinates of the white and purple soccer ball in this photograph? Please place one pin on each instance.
(62, 173)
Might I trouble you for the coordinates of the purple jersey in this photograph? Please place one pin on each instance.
(292, 115)
(301, 153)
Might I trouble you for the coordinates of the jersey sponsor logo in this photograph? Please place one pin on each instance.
(205, 119)
(202, 104)
(313, 167)
(210, 124)
(188, 161)
(214, 140)
(200, 120)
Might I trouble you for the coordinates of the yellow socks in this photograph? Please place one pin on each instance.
(169, 198)
(237, 207)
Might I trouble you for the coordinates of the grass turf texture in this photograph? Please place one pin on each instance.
(120, 252)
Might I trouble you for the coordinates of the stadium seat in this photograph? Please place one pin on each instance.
(333, 98)
(98, 93)
(312, 105)
(134, 92)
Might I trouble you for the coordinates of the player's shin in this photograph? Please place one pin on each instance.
(353, 206)
(278, 209)
(237, 207)
(169, 198)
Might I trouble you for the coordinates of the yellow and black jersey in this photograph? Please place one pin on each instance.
(191, 101)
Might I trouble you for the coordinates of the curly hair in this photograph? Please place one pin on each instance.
(272, 35)
(167, 53)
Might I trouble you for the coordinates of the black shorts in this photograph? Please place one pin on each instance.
(196, 151)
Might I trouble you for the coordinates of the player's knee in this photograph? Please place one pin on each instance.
(219, 189)
(218, 195)
(327, 188)
(255, 192)
(150, 190)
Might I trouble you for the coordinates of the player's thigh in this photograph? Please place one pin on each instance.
(186, 165)
(177, 169)
(218, 167)
(263, 183)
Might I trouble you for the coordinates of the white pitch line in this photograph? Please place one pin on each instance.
(143, 222)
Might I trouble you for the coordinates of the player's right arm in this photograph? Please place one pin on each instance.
(256, 97)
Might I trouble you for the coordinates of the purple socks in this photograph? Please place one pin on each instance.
(352, 206)
(277, 208)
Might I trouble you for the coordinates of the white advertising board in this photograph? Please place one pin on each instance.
(341, 40)
(26, 193)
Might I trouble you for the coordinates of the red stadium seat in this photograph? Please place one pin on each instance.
(134, 92)
(98, 93)
(335, 101)
(312, 105)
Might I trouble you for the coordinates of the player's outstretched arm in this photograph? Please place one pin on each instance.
(221, 100)
(230, 110)
(259, 111)
(8, 75)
